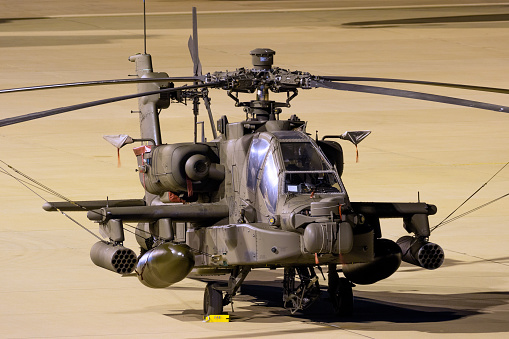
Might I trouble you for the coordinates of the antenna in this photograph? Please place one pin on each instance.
(144, 29)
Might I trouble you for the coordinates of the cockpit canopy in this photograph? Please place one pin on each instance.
(288, 162)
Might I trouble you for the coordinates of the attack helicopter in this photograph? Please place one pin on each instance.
(262, 194)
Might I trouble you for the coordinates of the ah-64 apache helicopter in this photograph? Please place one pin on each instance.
(262, 194)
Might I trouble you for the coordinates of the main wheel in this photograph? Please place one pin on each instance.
(341, 295)
(212, 300)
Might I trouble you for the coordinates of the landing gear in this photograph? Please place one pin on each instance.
(298, 294)
(213, 300)
(300, 297)
(340, 292)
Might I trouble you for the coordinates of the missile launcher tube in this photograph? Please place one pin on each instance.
(421, 253)
(116, 258)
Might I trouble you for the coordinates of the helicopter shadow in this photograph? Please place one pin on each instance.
(455, 313)
(380, 311)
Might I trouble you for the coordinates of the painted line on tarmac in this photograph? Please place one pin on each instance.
(494, 261)
(320, 323)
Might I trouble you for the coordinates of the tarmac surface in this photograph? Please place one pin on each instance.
(49, 288)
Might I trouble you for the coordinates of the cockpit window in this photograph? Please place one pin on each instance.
(259, 148)
(302, 156)
(308, 182)
(269, 184)
(307, 170)
(290, 135)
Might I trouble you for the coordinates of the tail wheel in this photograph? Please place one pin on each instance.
(341, 295)
(212, 300)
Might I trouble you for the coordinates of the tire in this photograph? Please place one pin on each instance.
(341, 295)
(212, 301)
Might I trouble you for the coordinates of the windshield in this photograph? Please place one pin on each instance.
(259, 148)
(307, 182)
(306, 169)
(302, 156)
(269, 184)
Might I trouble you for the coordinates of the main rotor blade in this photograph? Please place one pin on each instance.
(418, 82)
(103, 82)
(43, 114)
(408, 94)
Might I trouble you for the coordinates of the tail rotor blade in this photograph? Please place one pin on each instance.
(194, 56)
(206, 101)
(192, 44)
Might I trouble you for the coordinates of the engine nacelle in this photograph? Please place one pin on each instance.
(420, 252)
(171, 168)
(115, 258)
(386, 262)
(165, 265)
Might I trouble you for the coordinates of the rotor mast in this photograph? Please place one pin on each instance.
(262, 108)
(263, 59)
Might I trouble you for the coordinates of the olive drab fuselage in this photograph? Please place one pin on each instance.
(262, 194)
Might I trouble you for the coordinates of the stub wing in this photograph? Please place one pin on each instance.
(91, 204)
